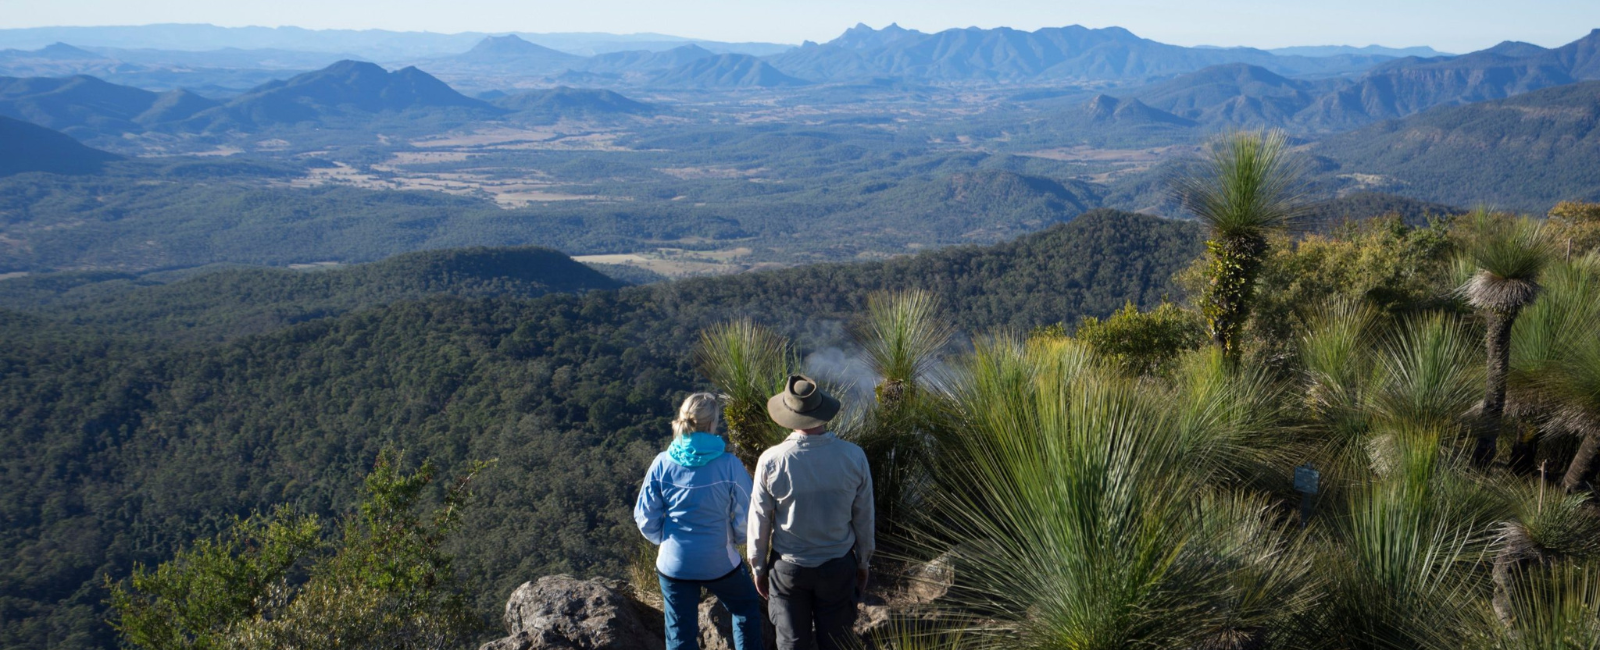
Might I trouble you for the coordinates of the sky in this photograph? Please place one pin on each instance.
(1448, 25)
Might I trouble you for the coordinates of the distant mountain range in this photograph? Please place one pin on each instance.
(343, 89)
(496, 55)
(564, 102)
(1244, 95)
(1526, 152)
(244, 57)
(1336, 50)
(33, 148)
(1055, 55)
(370, 44)
(84, 106)
(87, 107)
(725, 71)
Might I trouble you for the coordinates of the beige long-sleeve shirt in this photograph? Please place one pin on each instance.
(812, 503)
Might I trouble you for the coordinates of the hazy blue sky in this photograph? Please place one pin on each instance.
(1454, 25)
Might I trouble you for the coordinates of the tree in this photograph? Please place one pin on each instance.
(1508, 255)
(1247, 188)
(270, 582)
(748, 363)
(1144, 342)
(902, 335)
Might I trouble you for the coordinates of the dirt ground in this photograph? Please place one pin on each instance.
(679, 263)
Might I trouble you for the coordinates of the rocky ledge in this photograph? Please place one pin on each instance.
(564, 613)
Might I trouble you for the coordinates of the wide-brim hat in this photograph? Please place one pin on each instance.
(802, 404)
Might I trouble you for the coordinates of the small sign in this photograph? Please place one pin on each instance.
(1306, 479)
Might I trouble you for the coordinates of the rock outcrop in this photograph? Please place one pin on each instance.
(564, 613)
(716, 628)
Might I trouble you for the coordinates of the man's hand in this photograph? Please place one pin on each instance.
(862, 576)
(761, 585)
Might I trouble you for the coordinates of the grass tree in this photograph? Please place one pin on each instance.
(1246, 188)
(748, 363)
(1546, 528)
(901, 336)
(1555, 360)
(1552, 607)
(1574, 384)
(1506, 255)
(1400, 558)
(1090, 516)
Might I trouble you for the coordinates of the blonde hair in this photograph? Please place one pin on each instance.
(699, 412)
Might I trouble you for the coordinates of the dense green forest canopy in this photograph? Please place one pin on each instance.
(230, 303)
(129, 447)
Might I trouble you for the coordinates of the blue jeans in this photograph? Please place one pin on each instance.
(681, 602)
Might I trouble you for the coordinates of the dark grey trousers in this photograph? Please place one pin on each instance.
(814, 608)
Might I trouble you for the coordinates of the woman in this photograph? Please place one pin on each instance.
(693, 505)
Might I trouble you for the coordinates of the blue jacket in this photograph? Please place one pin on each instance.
(694, 504)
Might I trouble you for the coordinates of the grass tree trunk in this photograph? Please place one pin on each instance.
(1498, 343)
(1235, 262)
(1581, 469)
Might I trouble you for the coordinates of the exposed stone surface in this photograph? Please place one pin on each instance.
(932, 581)
(871, 619)
(716, 628)
(562, 613)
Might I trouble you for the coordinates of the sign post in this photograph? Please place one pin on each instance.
(1306, 480)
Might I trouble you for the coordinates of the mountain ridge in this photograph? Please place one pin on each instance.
(33, 148)
(1523, 152)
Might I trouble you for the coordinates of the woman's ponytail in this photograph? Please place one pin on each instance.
(699, 412)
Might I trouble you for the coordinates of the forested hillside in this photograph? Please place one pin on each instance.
(230, 303)
(128, 448)
(33, 148)
(1527, 152)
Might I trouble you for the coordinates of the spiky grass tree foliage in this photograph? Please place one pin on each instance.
(748, 363)
(1088, 517)
(1400, 565)
(1245, 189)
(1400, 557)
(1340, 373)
(1555, 362)
(1573, 384)
(1508, 255)
(901, 336)
(1553, 607)
(1547, 527)
(1364, 381)
(1233, 419)
(1428, 374)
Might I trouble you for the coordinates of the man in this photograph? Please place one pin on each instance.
(811, 523)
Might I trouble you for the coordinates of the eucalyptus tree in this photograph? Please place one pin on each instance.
(1506, 255)
(1246, 188)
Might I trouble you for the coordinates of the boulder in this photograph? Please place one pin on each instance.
(716, 628)
(930, 582)
(564, 613)
(872, 620)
